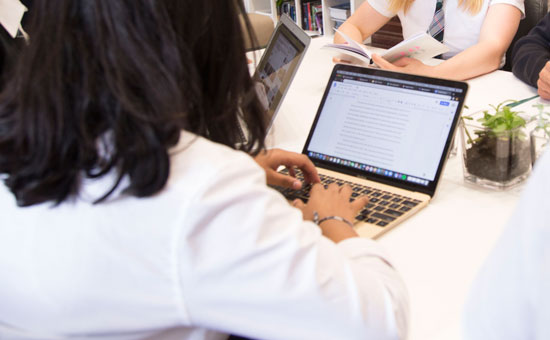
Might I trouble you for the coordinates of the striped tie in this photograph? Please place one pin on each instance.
(438, 23)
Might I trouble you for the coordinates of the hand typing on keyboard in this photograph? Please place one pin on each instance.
(332, 200)
(383, 206)
(271, 160)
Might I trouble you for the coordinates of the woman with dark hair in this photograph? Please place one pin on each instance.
(129, 209)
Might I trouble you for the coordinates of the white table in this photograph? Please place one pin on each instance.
(439, 250)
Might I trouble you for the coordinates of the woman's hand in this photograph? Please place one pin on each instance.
(272, 159)
(405, 64)
(333, 200)
(497, 31)
(337, 60)
(543, 84)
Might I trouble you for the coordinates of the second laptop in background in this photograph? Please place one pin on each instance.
(278, 65)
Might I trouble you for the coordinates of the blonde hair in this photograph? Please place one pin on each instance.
(472, 6)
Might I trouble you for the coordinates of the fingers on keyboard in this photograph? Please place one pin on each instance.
(381, 208)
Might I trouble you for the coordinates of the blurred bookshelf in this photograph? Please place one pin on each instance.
(320, 17)
(317, 17)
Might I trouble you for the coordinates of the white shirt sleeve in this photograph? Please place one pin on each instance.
(519, 4)
(251, 266)
(510, 298)
(382, 7)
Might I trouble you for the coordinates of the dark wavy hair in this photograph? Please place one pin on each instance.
(109, 85)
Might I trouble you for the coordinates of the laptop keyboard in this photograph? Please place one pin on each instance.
(383, 207)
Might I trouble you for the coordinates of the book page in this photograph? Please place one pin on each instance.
(348, 53)
(352, 43)
(421, 46)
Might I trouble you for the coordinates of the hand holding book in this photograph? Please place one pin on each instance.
(421, 46)
(405, 65)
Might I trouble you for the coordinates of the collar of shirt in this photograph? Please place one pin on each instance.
(11, 13)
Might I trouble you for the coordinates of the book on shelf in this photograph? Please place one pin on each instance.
(309, 23)
(308, 15)
(421, 46)
(340, 12)
(317, 17)
(288, 8)
(319, 21)
(312, 16)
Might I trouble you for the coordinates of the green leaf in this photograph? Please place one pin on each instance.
(502, 121)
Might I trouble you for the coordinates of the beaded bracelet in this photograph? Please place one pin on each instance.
(318, 221)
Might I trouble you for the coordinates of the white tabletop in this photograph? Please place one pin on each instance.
(439, 250)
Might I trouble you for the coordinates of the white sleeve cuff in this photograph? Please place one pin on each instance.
(358, 247)
(381, 6)
(516, 3)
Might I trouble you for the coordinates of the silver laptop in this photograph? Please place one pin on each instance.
(386, 134)
(282, 56)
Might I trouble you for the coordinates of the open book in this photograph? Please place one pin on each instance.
(421, 46)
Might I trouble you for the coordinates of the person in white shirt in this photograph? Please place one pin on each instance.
(510, 298)
(478, 32)
(129, 209)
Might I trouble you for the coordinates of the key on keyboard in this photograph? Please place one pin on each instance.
(383, 207)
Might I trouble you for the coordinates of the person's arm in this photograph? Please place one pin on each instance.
(361, 24)
(332, 201)
(509, 298)
(271, 160)
(531, 55)
(543, 83)
(250, 265)
(498, 30)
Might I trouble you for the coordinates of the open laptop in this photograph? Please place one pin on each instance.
(282, 56)
(388, 135)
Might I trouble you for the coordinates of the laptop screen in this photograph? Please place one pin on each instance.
(279, 63)
(387, 126)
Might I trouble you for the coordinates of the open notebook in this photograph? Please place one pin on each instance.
(388, 135)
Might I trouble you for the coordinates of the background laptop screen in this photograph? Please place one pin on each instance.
(386, 126)
(279, 64)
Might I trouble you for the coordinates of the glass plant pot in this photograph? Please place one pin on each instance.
(495, 161)
(454, 148)
(539, 142)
